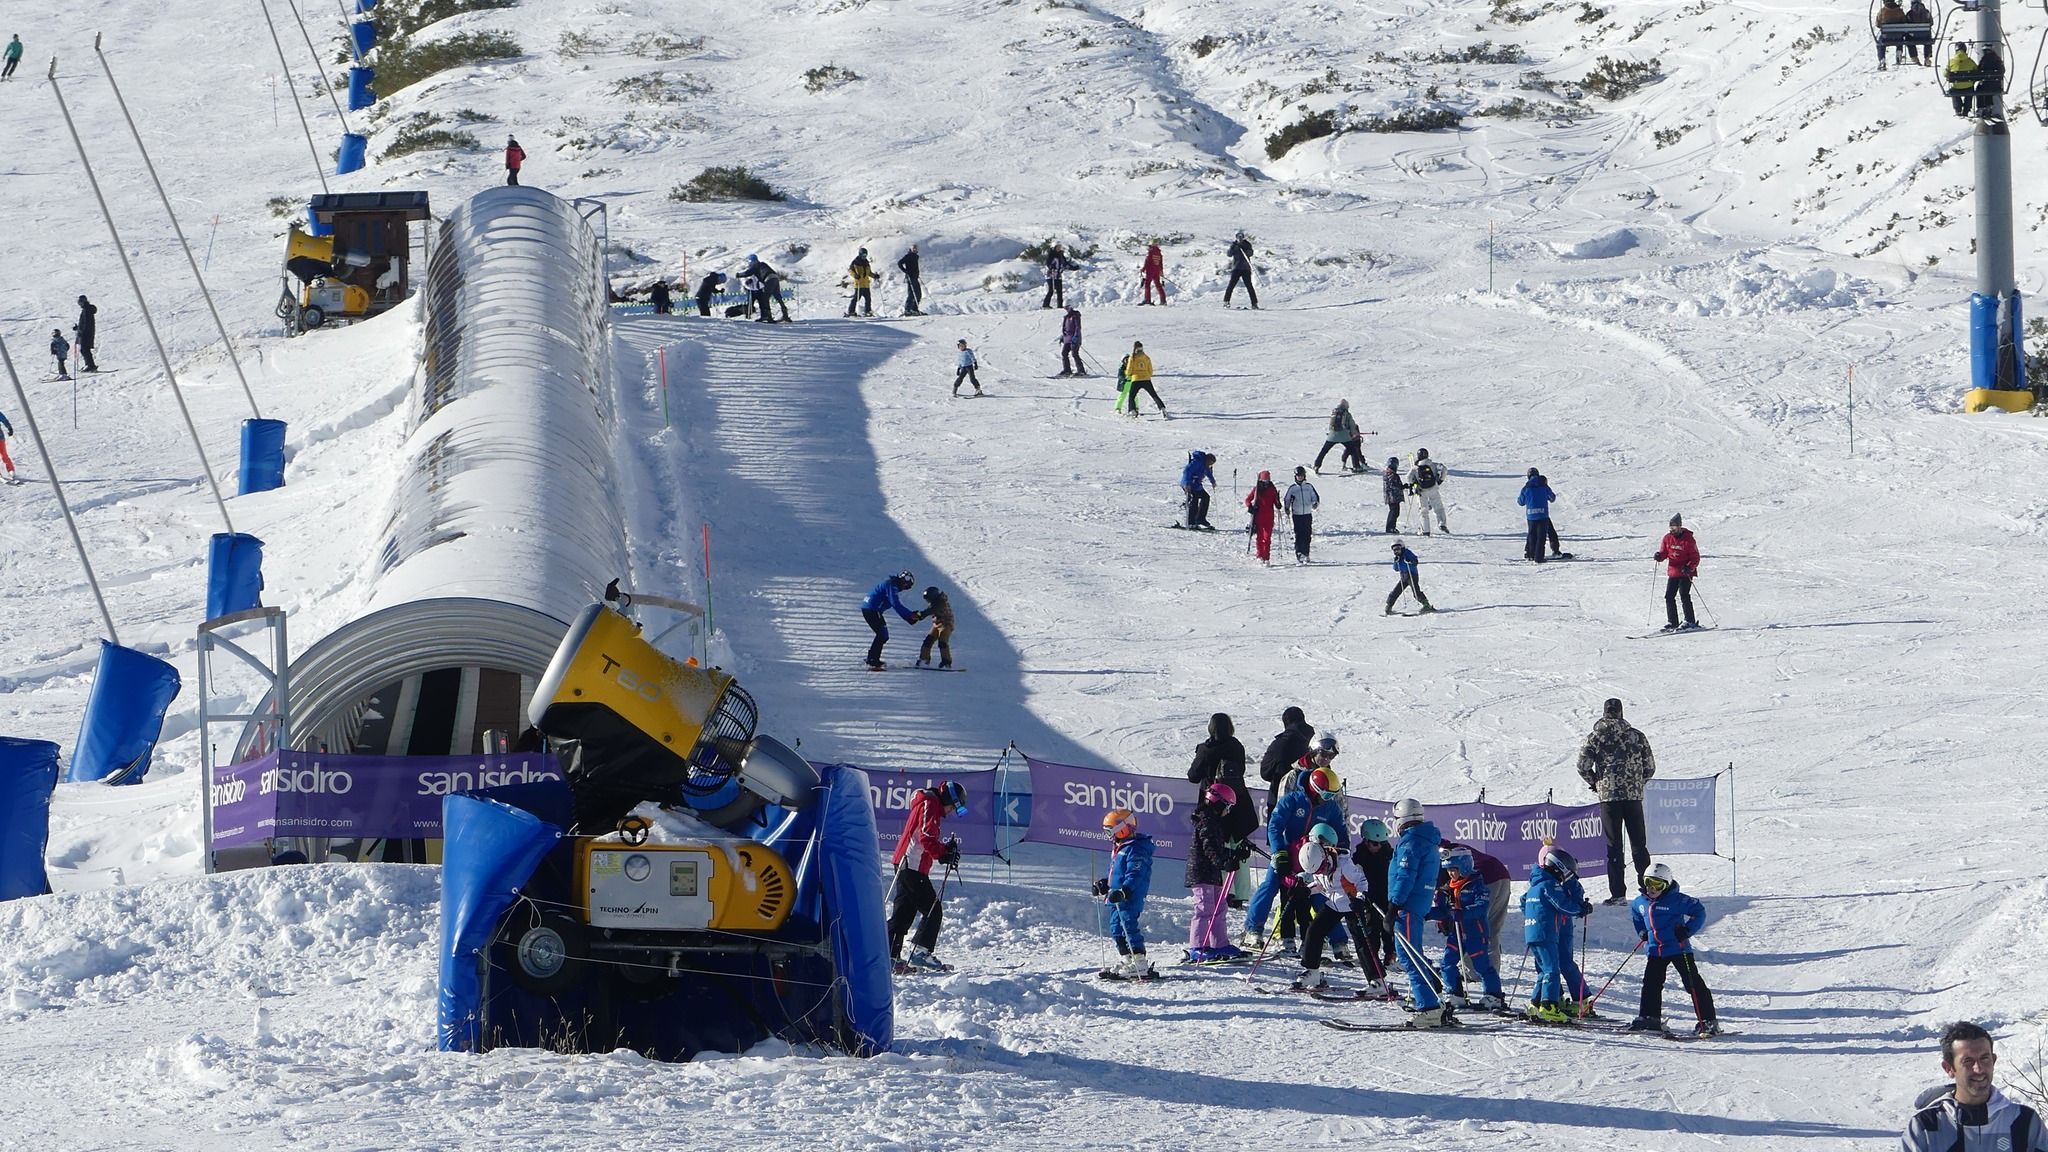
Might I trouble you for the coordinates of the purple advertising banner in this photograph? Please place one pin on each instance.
(348, 797)
(891, 792)
(1068, 803)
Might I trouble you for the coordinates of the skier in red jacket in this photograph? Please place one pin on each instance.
(514, 157)
(916, 851)
(1155, 274)
(1681, 556)
(1264, 502)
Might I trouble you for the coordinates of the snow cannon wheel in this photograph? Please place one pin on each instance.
(542, 950)
(313, 317)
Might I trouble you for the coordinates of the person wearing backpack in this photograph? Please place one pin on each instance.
(1973, 1114)
(1427, 479)
(1343, 431)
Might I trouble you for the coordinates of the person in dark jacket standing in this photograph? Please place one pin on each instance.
(1394, 491)
(768, 290)
(1070, 344)
(1220, 760)
(514, 157)
(61, 349)
(87, 332)
(1285, 751)
(706, 289)
(1616, 762)
(917, 849)
(1535, 499)
(1213, 858)
(664, 303)
(1241, 270)
(939, 611)
(886, 597)
(1410, 570)
(1681, 556)
(913, 298)
(1056, 267)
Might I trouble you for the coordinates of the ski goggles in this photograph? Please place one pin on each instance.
(1654, 886)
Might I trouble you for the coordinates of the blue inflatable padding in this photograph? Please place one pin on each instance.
(28, 774)
(234, 574)
(262, 455)
(490, 850)
(1983, 340)
(363, 35)
(2012, 346)
(313, 225)
(360, 94)
(355, 151)
(123, 715)
(850, 864)
(365, 7)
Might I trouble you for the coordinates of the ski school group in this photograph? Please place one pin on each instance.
(1362, 904)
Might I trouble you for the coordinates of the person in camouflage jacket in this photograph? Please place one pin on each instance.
(1616, 762)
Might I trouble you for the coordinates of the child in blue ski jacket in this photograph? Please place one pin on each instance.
(1552, 901)
(1460, 914)
(1409, 568)
(1411, 890)
(1197, 476)
(886, 597)
(1666, 919)
(1310, 802)
(1124, 889)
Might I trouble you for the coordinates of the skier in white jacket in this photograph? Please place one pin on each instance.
(1426, 479)
(966, 369)
(1339, 889)
(1301, 503)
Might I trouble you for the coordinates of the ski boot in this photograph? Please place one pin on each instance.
(1311, 980)
(1547, 1014)
(1493, 1003)
(900, 966)
(1252, 942)
(1343, 955)
(922, 959)
(1707, 1028)
(1289, 948)
(1646, 1024)
(1376, 990)
(1136, 967)
(1579, 1010)
(1456, 1000)
(1426, 610)
(1438, 1017)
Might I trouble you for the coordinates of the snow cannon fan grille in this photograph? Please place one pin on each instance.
(727, 735)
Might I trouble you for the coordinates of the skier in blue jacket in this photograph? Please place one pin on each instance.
(1124, 889)
(1410, 569)
(886, 597)
(1198, 471)
(1313, 800)
(1666, 919)
(1460, 914)
(1552, 900)
(1535, 499)
(1411, 890)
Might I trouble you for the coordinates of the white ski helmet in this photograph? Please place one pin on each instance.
(1407, 812)
(1661, 873)
(1312, 856)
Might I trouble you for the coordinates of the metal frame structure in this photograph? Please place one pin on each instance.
(266, 725)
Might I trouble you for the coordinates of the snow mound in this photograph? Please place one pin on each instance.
(1605, 246)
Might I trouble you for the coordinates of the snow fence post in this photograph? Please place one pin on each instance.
(1732, 866)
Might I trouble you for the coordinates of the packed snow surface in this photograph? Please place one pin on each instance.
(1665, 301)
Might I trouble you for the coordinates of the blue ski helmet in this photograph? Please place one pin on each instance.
(954, 797)
(1374, 831)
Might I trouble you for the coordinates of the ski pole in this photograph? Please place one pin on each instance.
(1413, 959)
(1653, 592)
(1519, 969)
(1585, 928)
(1588, 1005)
(1704, 606)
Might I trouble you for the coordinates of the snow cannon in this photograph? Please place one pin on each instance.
(667, 935)
(634, 724)
(355, 261)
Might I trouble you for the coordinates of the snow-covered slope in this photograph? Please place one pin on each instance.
(1671, 326)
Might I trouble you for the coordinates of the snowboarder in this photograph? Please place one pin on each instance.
(1263, 502)
(1056, 266)
(1973, 1114)
(1154, 275)
(86, 331)
(1070, 344)
(1681, 556)
(1339, 895)
(1535, 499)
(1500, 893)
(913, 291)
(7, 429)
(1214, 855)
(863, 273)
(1426, 479)
(1343, 431)
(1549, 905)
(965, 367)
(1394, 492)
(1137, 370)
(1462, 913)
(1411, 890)
(664, 303)
(514, 157)
(1373, 853)
(939, 611)
(1302, 501)
(1130, 877)
(1410, 570)
(61, 349)
(1241, 269)
(1615, 761)
(707, 288)
(13, 58)
(1196, 477)
(1667, 920)
(917, 849)
(886, 597)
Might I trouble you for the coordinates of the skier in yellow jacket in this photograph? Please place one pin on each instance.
(1137, 368)
(863, 274)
